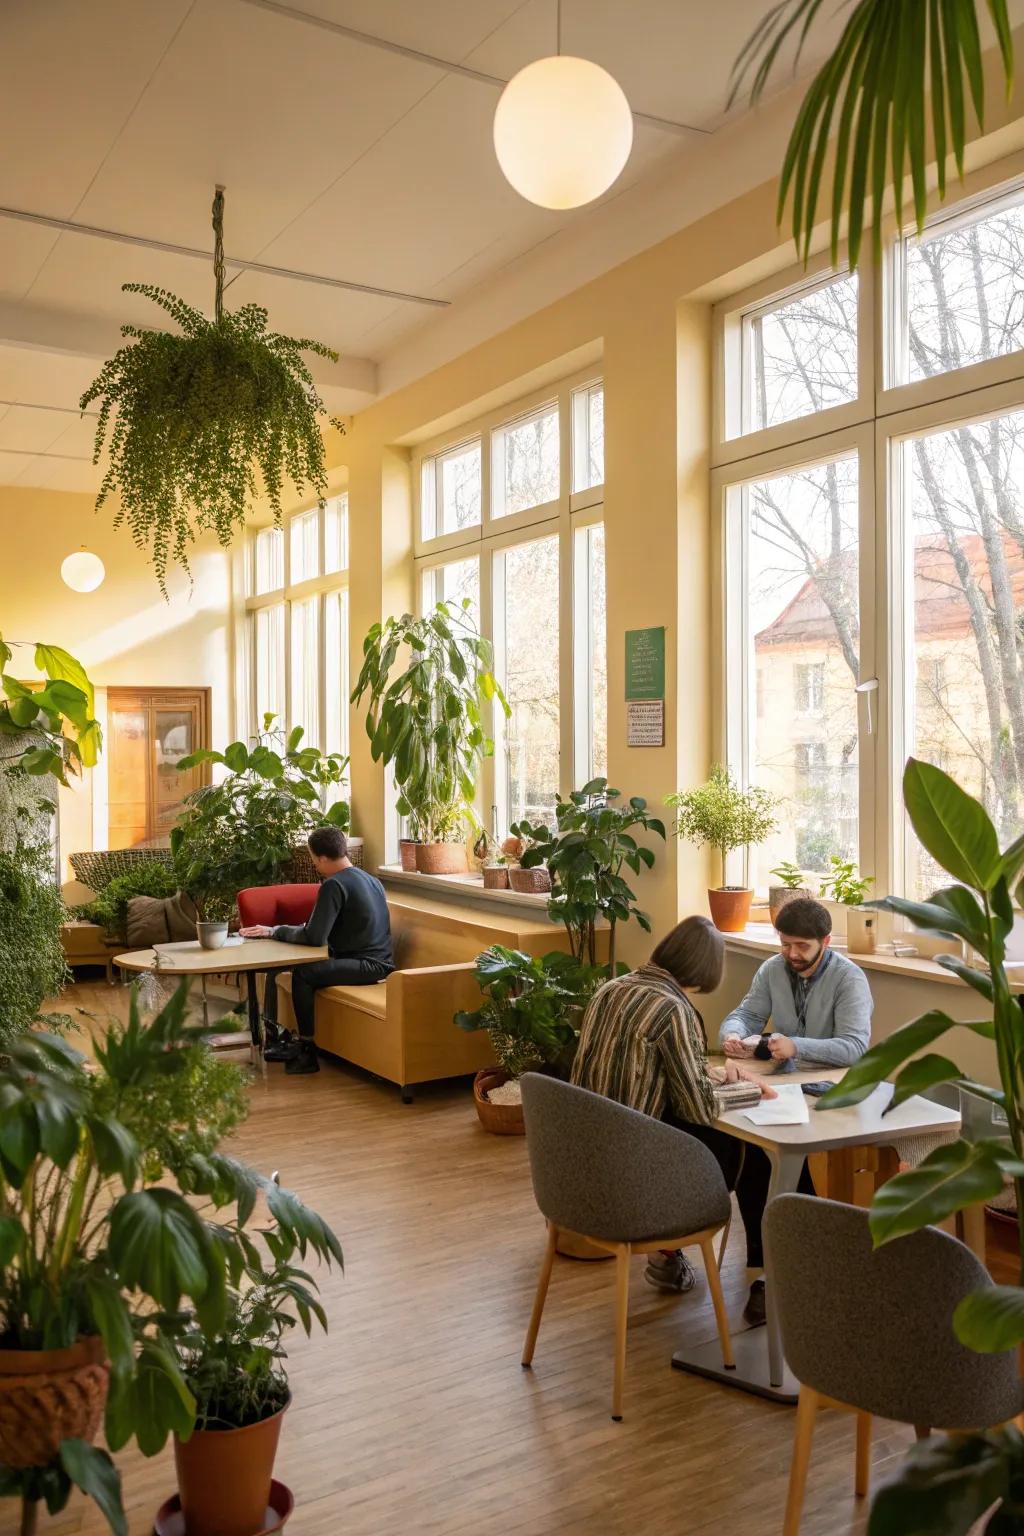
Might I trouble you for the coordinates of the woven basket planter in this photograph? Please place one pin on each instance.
(499, 1119)
(50, 1395)
(442, 859)
(495, 877)
(530, 882)
(407, 855)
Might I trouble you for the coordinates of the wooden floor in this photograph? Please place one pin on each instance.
(414, 1413)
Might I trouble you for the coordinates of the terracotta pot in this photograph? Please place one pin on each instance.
(407, 854)
(780, 896)
(730, 908)
(861, 930)
(495, 877)
(50, 1395)
(442, 859)
(530, 882)
(499, 1119)
(224, 1477)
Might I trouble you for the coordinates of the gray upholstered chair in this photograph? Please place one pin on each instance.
(628, 1183)
(871, 1331)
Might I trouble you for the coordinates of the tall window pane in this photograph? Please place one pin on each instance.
(336, 535)
(336, 671)
(964, 294)
(801, 620)
(305, 666)
(965, 549)
(800, 356)
(305, 547)
(454, 582)
(590, 638)
(526, 463)
(269, 659)
(451, 491)
(269, 561)
(526, 645)
(588, 437)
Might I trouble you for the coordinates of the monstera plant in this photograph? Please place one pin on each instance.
(200, 421)
(873, 94)
(948, 1484)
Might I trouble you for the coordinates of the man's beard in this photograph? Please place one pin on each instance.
(801, 967)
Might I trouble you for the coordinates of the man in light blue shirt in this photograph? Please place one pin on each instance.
(819, 1002)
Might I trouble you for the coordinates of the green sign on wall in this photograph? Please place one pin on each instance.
(645, 663)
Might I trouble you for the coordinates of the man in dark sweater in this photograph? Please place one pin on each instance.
(351, 918)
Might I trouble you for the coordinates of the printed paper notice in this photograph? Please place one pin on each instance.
(645, 722)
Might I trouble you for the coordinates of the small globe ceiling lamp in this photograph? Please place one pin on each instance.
(563, 131)
(83, 571)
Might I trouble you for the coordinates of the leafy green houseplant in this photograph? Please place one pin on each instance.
(32, 964)
(723, 816)
(427, 682)
(873, 94)
(51, 729)
(845, 886)
(115, 1206)
(194, 416)
(593, 842)
(947, 1485)
(245, 830)
(789, 887)
(109, 908)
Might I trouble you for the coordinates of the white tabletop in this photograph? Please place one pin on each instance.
(191, 959)
(863, 1124)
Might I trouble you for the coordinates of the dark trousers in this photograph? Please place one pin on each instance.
(747, 1170)
(308, 979)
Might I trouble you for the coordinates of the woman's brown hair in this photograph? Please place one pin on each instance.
(693, 953)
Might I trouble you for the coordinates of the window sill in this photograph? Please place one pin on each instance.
(462, 888)
(761, 939)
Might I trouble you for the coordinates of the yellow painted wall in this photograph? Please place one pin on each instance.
(124, 633)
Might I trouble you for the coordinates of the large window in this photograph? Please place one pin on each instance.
(511, 524)
(297, 625)
(872, 540)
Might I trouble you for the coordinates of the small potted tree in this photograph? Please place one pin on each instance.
(428, 682)
(843, 885)
(721, 815)
(531, 1011)
(791, 886)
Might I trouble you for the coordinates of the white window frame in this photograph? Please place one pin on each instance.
(884, 416)
(287, 594)
(561, 517)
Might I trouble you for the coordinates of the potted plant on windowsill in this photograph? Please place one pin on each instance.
(428, 682)
(721, 815)
(843, 885)
(791, 886)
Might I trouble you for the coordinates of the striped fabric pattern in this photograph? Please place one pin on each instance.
(642, 1043)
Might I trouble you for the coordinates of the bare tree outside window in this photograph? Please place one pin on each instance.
(530, 461)
(526, 582)
(802, 355)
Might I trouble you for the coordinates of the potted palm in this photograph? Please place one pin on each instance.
(723, 816)
(790, 887)
(843, 885)
(531, 1013)
(427, 682)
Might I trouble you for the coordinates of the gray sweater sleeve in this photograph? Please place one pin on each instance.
(851, 1033)
(752, 1014)
(316, 931)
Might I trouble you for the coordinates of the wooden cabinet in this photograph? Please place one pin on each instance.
(149, 731)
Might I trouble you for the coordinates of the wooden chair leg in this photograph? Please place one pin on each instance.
(922, 1431)
(806, 1412)
(541, 1296)
(707, 1249)
(622, 1258)
(723, 1243)
(862, 1475)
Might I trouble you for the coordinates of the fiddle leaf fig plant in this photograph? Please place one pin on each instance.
(191, 417)
(245, 830)
(427, 681)
(48, 730)
(947, 1485)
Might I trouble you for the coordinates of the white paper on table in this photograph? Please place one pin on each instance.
(790, 1108)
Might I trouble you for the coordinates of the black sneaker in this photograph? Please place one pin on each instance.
(670, 1272)
(304, 1060)
(755, 1312)
(281, 1048)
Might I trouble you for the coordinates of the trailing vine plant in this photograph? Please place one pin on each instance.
(192, 417)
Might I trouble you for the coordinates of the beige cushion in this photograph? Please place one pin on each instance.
(372, 999)
(160, 920)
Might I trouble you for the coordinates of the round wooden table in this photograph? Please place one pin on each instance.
(245, 956)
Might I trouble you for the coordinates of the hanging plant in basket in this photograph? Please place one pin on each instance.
(193, 417)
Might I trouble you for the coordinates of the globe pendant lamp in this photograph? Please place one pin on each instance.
(82, 571)
(563, 131)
